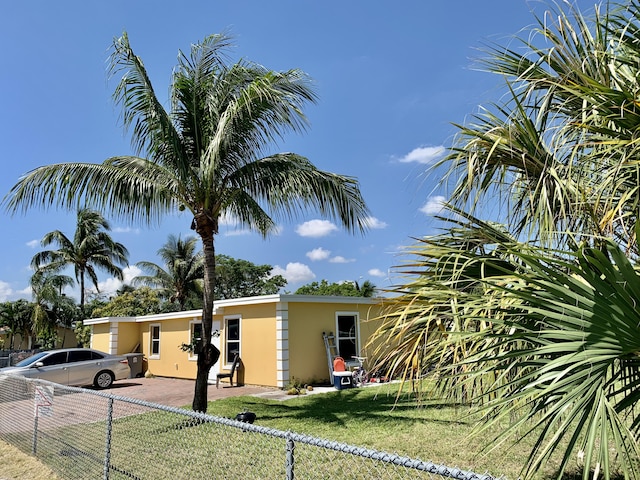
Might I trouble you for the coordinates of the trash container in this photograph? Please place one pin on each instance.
(342, 380)
(135, 363)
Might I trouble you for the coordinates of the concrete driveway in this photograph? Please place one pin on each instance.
(177, 392)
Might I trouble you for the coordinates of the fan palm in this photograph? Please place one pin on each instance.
(571, 334)
(539, 329)
(425, 319)
(91, 248)
(184, 272)
(206, 156)
(560, 148)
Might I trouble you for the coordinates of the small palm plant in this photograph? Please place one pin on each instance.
(545, 342)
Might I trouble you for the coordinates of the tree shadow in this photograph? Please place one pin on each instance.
(333, 408)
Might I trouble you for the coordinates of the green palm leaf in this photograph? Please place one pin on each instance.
(581, 349)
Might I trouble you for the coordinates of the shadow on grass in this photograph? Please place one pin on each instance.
(339, 408)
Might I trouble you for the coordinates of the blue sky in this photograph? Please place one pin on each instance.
(391, 81)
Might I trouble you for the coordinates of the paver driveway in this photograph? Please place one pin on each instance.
(177, 392)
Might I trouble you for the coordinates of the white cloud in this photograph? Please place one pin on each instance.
(27, 291)
(316, 228)
(294, 272)
(376, 272)
(5, 291)
(108, 287)
(237, 233)
(423, 155)
(341, 259)
(33, 243)
(126, 230)
(373, 222)
(130, 272)
(318, 254)
(111, 285)
(434, 205)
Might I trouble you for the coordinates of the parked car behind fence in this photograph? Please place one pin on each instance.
(73, 366)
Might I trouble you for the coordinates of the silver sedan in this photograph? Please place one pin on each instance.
(73, 366)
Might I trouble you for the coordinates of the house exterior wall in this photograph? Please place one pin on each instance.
(116, 336)
(100, 336)
(306, 322)
(280, 337)
(66, 339)
(257, 342)
(171, 361)
(128, 338)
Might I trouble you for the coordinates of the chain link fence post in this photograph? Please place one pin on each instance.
(107, 451)
(34, 443)
(290, 458)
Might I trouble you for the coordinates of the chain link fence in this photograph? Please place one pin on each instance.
(11, 357)
(86, 434)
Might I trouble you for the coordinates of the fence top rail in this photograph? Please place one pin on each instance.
(416, 464)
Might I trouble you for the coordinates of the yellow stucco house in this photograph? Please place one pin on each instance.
(278, 337)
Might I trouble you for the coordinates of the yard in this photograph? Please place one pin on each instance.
(369, 417)
(374, 418)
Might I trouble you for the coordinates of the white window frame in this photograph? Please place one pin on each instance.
(229, 361)
(153, 340)
(193, 355)
(356, 337)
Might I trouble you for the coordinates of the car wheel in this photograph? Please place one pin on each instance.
(103, 379)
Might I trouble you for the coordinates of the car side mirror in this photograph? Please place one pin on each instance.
(38, 364)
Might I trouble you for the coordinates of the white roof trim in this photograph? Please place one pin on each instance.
(97, 321)
(219, 305)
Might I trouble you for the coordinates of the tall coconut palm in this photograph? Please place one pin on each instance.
(206, 156)
(91, 249)
(182, 278)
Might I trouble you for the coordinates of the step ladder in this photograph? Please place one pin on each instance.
(332, 350)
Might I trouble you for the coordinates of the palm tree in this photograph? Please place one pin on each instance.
(560, 149)
(204, 156)
(182, 279)
(17, 316)
(367, 289)
(92, 248)
(47, 294)
(537, 318)
(428, 319)
(569, 348)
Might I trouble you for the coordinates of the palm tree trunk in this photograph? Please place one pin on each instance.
(82, 291)
(208, 354)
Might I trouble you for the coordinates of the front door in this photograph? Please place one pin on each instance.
(215, 341)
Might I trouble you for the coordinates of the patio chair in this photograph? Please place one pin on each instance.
(234, 367)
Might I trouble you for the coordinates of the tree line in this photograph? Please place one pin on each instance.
(176, 285)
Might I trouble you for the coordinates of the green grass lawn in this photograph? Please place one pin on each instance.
(375, 418)
(368, 417)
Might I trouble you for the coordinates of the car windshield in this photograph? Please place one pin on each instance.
(32, 359)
